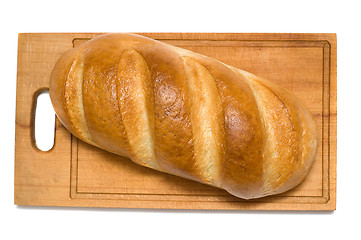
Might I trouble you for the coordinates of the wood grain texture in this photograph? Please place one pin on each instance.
(73, 173)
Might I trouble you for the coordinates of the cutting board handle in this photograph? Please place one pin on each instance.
(42, 124)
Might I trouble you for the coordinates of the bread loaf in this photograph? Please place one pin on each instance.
(183, 113)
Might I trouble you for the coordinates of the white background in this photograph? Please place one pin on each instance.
(186, 16)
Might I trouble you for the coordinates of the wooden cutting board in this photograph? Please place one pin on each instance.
(74, 173)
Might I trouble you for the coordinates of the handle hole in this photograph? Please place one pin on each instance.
(44, 131)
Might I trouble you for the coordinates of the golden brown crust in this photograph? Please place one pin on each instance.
(305, 144)
(100, 99)
(290, 136)
(208, 132)
(59, 94)
(185, 114)
(242, 164)
(134, 89)
(173, 142)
